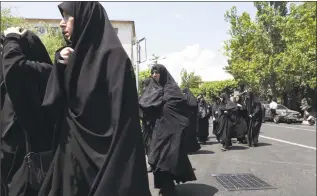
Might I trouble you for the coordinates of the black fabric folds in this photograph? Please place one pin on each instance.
(167, 151)
(255, 121)
(150, 102)
(190, 98)
(241, 120)
(191, 143)
(99, 147)
(226, 120)
(26, 66)
(152, 96)
(215, 113)
(146, 83)
(203, 120)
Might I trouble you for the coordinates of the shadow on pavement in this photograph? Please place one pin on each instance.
(210, 143)
(264, 144)
(238, 148)
(195, 190)
(203, 152)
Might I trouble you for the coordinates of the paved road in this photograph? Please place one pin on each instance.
(286, 159)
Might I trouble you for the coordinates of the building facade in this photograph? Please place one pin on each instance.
(125, 31)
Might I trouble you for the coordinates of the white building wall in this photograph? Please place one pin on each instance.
(125, 35)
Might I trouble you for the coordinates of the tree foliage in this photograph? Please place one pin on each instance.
(275, 52)
(8, 20)
(52, 39)
(142, 76)
(190, 80)
(215, 88)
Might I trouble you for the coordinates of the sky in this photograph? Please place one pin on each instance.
(187, 35)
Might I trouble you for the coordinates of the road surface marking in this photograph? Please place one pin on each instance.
(291, 127)
(287, 142)
(265, 162)
(282, 162)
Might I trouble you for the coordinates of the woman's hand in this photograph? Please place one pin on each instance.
(15, 30)
(65, 54)
(226, 112)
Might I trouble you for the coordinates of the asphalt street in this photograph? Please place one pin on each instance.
(285, 159)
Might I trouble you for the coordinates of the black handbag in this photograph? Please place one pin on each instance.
(38, 164)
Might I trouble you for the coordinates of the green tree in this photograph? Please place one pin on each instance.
(240, 49)
(215, 88)
(277, 51)
(299, 59)
(270, 18)
(8, 20)
(190, 80)
(142, 76)
(53, 40)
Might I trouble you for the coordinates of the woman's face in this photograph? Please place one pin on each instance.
(67, 25)
(156, 75)
(221, 99)
(237, 98)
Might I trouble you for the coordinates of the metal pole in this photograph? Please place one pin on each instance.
(138, 61)
(137, 65)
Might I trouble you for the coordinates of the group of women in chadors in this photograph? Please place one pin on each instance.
(72, 127)
(77, 127)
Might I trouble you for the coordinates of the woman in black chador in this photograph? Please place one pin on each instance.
(253, 105)
(148, 123)
(226, 121)
(93, 97)
(191, 143)
(25, 127)
(203, 120)
(164, 100)
(240, 127)
(215, 115)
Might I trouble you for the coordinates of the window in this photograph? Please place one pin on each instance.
(40, 30)
(116, 30)
(55, 29)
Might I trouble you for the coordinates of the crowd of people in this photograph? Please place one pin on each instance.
(72, 127)
(175, 123)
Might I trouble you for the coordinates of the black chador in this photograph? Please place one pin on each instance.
(253, 105)
(98, 147)
(191, 143)
(167, 156)
(26, 128)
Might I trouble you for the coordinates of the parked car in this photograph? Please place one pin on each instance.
(283, 115)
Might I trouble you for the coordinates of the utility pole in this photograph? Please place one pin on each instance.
(138, 61)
